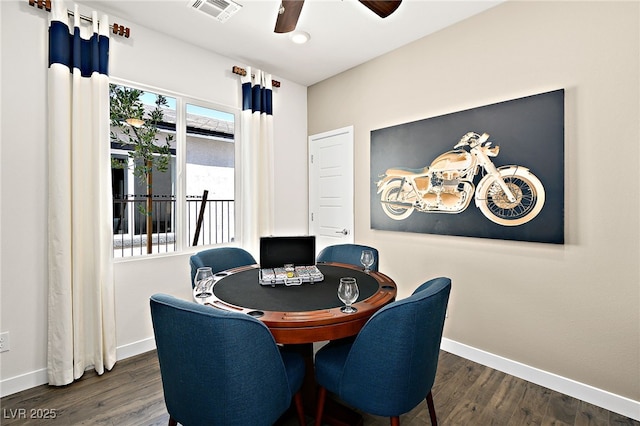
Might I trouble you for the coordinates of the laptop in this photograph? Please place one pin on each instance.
(289, 260)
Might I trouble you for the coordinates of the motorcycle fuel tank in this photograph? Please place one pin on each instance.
(452, 163)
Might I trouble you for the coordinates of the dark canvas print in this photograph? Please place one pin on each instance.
(495, 171)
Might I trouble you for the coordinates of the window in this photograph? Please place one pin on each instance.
(210, 175)
(173, 172)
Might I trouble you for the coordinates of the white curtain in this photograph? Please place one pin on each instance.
(81, 314)
(256, 190)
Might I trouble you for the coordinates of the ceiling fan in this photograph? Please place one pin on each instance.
(289, 12)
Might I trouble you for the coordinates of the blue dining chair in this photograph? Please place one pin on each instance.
(347, 253)
(220, 259)
(222, 368)
(390, 367)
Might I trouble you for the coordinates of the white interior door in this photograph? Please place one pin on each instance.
(331, 187)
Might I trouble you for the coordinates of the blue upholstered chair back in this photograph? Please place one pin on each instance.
(217, 367)
(392, 364)
(220, 259)
(347, 253)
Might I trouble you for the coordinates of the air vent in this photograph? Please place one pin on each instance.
(219, 9)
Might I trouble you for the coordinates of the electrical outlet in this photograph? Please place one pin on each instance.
(4, 341)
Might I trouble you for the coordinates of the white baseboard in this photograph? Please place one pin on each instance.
(612, 402)
(39, 377)
(135, 348)
(23, 382)
(607, 400)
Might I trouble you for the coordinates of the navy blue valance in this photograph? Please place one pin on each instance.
(257, 98)
(73, 51)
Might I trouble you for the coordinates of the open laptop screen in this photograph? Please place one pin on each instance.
(275, 252)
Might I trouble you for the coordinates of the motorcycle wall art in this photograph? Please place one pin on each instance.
(509, 195)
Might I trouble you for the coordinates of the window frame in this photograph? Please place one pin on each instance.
(183, 245)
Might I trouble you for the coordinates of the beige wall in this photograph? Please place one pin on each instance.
(572, 309)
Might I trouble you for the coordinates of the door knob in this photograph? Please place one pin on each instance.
(343, 232)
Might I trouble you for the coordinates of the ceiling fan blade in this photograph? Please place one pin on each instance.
(382, 8)
(288, 15)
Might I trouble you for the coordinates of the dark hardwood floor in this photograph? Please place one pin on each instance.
(465, 393)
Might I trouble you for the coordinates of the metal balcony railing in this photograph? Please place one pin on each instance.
(130, 223)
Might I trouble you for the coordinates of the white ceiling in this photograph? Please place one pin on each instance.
(344, 33)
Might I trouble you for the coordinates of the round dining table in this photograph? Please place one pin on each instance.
(299, 315)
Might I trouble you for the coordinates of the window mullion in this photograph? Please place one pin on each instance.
(180, 164)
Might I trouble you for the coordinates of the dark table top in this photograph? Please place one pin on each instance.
(243, 289)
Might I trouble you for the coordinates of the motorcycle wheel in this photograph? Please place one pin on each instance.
(395, 192)
(527, 189)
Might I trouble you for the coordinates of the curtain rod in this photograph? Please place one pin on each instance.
(120, 30)
(243, 72)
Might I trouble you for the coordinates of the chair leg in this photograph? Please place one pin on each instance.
(395, 421)
(322, 395)
(172, 421)
(432, 409)
(299, 408)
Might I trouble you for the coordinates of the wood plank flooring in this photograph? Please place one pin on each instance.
(465, 393)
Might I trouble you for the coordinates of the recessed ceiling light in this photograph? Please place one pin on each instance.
(300, 37)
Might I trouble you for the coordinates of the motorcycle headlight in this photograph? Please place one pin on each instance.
(493, 152)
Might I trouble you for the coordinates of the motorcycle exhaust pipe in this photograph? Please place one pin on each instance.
(398, 204)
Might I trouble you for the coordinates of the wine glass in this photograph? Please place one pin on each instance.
(348, 292)
(203, 281)
(366, 258)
